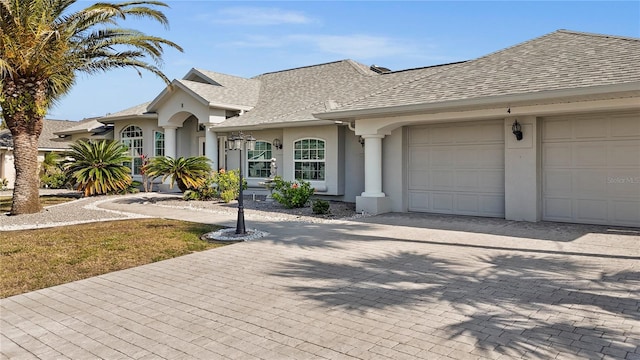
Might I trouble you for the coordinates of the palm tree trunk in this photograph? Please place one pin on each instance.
(25, 135)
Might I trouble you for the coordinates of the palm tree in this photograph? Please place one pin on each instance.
(97, 167)
(188, 173)
(43, 47)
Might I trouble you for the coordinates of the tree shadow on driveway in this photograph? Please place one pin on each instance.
(513, 304)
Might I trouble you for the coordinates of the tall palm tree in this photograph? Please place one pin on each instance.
(96, 167)
(42, 48)
(188, 173)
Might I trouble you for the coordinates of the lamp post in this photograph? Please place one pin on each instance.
(237, 142)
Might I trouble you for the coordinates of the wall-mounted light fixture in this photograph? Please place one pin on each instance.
(361, 140)
(517, 130)
(277, 144)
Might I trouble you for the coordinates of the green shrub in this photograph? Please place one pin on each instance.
(320, 207)
(228, 184)
(53, 180)
(292, 194)
(205, 192)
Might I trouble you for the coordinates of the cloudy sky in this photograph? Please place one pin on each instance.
(248, 38)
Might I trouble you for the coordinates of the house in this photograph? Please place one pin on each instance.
(436, 139)
(56, 136)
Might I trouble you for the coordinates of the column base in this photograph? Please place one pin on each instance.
(373, 205)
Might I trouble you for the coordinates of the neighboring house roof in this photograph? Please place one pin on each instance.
(48, 139)
(89, 126)
(556, 61)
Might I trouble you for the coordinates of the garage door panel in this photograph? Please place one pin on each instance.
(624, 153)
(557, 182)
(491, 181)
(442, 202)
(492, 204)
(590, 154)
(442, 180)
(591, 211)
(626, 211)
(590, 183)
(557, 155)
(419, 179)
(591, 129)
(557, 130)
(440, 157)
(627, 126)
(420, 201)
(417, 158)
(593, 176)
(558, 209)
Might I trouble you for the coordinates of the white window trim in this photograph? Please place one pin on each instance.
(246, 161)
(133, 156)
(324, 160)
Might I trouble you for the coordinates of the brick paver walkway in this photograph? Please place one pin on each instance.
(394, 286)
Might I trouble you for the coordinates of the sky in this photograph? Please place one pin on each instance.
(249, 38)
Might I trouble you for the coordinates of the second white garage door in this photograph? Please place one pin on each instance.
(457, 168)
(591, 169)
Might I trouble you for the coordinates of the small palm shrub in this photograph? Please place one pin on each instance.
(52, 175)
(95, 167)
(188, 173)
(320, 207)
(292, 194)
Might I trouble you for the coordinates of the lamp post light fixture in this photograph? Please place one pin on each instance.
(237, 142)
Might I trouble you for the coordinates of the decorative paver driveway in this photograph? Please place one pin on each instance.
(394, 286)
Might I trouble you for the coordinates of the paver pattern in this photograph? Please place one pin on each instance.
(394, 286)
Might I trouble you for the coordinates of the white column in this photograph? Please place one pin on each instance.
(170, 141)
(373, 166)
(211, 148)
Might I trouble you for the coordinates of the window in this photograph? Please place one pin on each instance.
(308, 157)
(158, 143)
(259, 160)
(131, 137)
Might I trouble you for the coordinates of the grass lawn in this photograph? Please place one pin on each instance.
(36, 259)
(45, 200)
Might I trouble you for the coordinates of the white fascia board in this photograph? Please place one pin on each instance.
(111, 120)
(230, 106)
(280, 125)
(482, 101)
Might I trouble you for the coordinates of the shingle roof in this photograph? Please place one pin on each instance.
(556, 61)
(235, 92)
(48, 139)
(136, 110)
(559, 60)
(295, 94)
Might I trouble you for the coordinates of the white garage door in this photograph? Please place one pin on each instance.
(457, 168)
(591, 169)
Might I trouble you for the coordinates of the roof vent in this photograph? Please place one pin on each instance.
(379, 69)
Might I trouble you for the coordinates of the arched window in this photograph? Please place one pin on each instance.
(308, 158)
(131, 137)
(259, 160)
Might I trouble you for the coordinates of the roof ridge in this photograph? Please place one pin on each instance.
(444, 66)
(301, 67)
(200, 70)
(585, 33)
